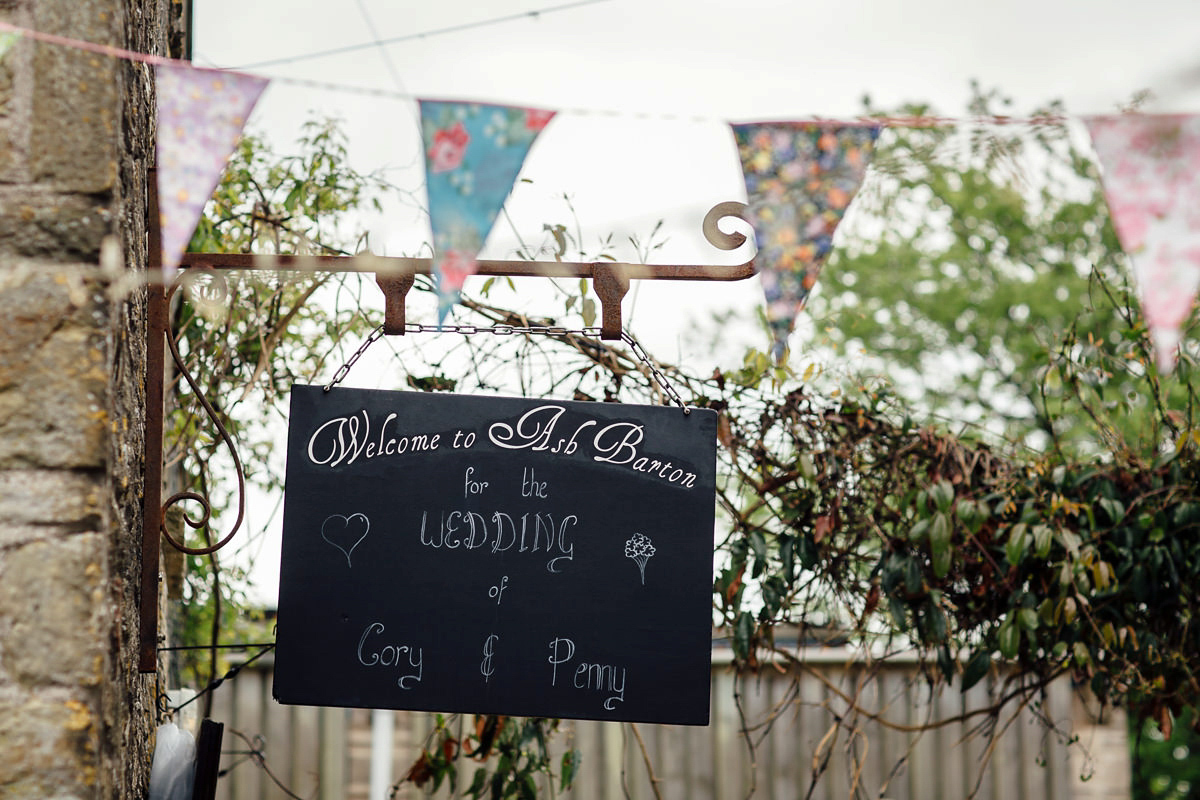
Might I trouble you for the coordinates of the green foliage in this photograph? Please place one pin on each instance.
(976, 256)
(846, 514)
(1166, 767)
(298, 203)
(516, 751)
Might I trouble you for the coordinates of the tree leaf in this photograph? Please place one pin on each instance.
(568, 769)
(1027, 618)
(1018, 541)
(743, 634)
(1009, 639)
(939, 544)
(822, 527)
(478, 783)
(1043, 537)
(943, 495)
(976, 669)
(1115, 509)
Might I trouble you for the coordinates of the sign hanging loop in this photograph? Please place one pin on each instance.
(507, 330)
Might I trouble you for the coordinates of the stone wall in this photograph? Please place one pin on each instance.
(76, 718)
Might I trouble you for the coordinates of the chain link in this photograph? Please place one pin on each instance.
(636, 348)
(507, 330)
(344, 369)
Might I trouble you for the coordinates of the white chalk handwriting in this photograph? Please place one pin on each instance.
(401, 657)
(608, 679)
(345, 440)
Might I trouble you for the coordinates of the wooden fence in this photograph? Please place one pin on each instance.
(324, 753)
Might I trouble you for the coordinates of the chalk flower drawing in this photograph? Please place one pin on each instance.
(345, 533)
(639, 548)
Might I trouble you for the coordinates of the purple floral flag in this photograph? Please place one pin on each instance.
(473, 154)
(201, 113)
(1152, 183)
(800, 179)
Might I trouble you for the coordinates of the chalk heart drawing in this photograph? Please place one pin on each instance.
(345, 533)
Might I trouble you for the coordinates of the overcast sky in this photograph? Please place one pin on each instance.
(647, 85)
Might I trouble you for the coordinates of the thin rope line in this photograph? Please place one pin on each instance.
(91, 47)
(388, 62)
(383, 51)
(350, 48)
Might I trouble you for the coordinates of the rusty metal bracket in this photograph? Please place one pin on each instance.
(395, 277)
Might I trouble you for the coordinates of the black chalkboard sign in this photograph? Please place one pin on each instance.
(497, 555)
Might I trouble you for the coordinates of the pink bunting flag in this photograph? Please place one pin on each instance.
(1152, 184)
(201, 113)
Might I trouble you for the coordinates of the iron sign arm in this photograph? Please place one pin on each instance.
(395, 276)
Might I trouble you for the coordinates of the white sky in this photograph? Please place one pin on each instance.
(629, 66)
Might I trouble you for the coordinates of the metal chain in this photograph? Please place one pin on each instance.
(344, 369)
(636, 348)
(508, 330)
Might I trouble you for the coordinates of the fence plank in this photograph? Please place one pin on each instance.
(279, 730)
(332, 753)
(248, 719)
(304, 773)
(324, 753)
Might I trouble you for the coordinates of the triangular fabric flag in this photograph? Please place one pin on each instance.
(473, 154)
(1152, 183)
(201, 113)
(800, 178)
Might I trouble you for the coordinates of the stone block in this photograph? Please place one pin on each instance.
(48, 741)
(53, 369)
(38, 504)
(59, 227)
(75, 98)
(55, 612)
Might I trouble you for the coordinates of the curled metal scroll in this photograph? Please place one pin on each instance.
(719, 238)
(216, 291)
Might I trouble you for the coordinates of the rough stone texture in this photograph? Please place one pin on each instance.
(42, 224)
(76, 135)
(75, 106)
(48, 742)
(61, 639)
(53, 369)
(46, 504)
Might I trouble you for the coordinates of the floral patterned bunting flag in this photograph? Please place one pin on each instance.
(473, 153)
(201, 113)
(1152, 183)
(800, 178)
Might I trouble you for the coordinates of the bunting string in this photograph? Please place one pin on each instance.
(800, 174)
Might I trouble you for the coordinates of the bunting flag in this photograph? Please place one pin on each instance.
(1152, 183)
(201, 113)
(473, 153)
(800, 178)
